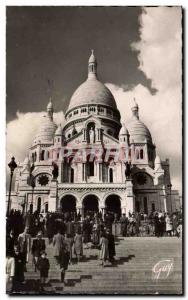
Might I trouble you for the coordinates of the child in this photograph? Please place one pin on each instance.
(43, 266)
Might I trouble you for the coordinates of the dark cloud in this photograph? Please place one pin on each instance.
(53, 44)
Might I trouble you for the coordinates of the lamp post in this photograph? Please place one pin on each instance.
(170, 187)
(12, 165)
(33, 186)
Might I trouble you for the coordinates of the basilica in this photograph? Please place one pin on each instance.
(93, 162)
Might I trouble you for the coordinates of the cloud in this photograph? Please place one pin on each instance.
(160, 56)
(22, 130)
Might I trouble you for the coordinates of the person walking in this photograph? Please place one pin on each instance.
(69, 244)
(10, 241)
(19, 269)
(104, 253)
(111, 245)
(168, 225)
(37, 248)
(124, 223)
(43, 266)
(10, 271)
(24, 243)
(78, 245)
(58, 244)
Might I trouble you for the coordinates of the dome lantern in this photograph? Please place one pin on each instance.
(50, 109)
(135, 110)
(92, 66)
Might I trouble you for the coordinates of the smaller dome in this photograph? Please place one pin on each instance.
(59, 130)
(46, 131)
(92, 58)
(138, 131)
(123, 130)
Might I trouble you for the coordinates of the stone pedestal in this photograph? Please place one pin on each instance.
(53, 196)
(130, 201)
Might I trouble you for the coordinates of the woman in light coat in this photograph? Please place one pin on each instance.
(104, 252)
(78, 245)
(168, 225)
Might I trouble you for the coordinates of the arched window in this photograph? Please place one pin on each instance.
(91, 168)
(35, 156)
(42, 155)
(72, 176)
(31, 208)
(111, 175)
(39, 204)
(137, 154)
(141, 154)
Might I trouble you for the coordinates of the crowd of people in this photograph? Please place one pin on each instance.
(69, 235)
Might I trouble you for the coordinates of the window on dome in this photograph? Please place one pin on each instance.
(141, 154)
(109, 112)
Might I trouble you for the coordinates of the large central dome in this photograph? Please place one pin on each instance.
(92, 91)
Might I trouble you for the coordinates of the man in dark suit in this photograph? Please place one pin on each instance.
(37, 248)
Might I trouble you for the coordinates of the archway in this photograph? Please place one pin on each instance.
(68, 204)
(90, 205)
(113, 205)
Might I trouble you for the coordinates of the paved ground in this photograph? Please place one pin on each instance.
(146, 265)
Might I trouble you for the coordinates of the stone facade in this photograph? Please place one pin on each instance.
(82, 165)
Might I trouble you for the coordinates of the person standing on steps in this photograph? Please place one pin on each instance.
(24, 242)
(111, 245)
(37, 248)
(78, 245)
(10, 271)
(69, 244)
(19, 269)
(44, 266)
(104, 253)
(58, 244)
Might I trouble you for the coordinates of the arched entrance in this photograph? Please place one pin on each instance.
(113, 205)
(90, 205)
(68, 204)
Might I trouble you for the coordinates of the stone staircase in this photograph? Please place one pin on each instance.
(131, 272)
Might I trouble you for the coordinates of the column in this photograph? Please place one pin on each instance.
(129, 196)
(84, 135)
(53, 196)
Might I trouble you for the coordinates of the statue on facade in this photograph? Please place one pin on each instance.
(128, 170)
(92, 135)
(55, 171)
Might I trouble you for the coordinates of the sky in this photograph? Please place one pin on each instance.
(139, 55)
